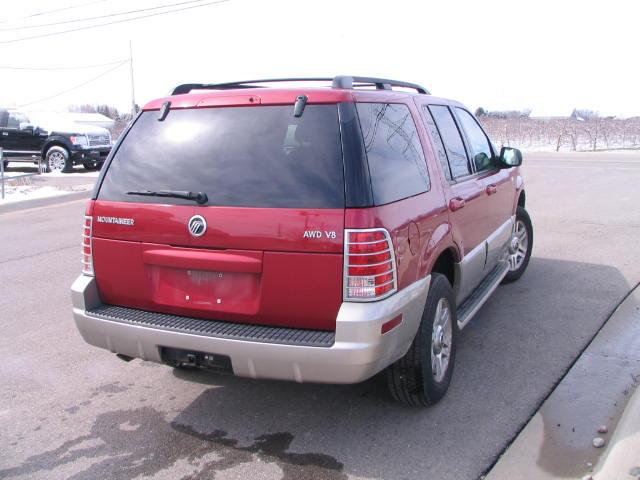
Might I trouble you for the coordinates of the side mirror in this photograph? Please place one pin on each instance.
(510, 157)
(27, 127)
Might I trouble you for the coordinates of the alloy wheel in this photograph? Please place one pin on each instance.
(441, 340)
(56, 161)
(518, 247)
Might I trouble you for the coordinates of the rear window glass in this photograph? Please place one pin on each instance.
(242, 156)
(397, 165)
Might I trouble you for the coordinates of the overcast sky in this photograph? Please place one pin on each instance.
(550, 56)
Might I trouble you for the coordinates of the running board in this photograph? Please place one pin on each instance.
(481, 294)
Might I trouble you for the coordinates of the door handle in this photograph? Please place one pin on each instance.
(491, 189)
(456, 204)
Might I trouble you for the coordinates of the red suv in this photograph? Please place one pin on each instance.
(310, 234)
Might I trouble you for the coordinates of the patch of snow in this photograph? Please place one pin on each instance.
(75, 173)
(18, 193)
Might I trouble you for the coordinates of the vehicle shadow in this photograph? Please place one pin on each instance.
(510, 357)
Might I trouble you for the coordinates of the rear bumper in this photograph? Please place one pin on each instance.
(359, 351)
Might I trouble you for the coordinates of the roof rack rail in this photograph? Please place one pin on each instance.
(340, 81)
(349, 82)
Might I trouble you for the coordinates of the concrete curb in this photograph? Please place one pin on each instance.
(622, 460)
(558, 442)
(43, 202)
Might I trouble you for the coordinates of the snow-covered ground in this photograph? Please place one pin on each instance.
(29, 192)
(581, 147)
(78, 172)
(18, 187)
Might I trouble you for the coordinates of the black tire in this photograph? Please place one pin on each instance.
(91, 166)
(58, 159)
(523, 217)
(411, 379)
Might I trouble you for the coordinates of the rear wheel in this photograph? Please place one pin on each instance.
(57, 159)
(520, 246)
(423, 375)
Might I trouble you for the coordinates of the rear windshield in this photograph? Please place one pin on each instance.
(241, 156)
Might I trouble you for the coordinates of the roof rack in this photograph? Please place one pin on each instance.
(340, 81)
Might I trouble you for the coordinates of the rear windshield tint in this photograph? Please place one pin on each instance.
(241, 156)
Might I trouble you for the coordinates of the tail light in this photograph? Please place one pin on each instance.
(369, 265)
(87, 254)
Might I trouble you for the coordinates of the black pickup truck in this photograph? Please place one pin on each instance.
(60, 148)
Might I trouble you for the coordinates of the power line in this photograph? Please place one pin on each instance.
(76, 86)
(47, 12)
(47, 69)
(3, 42)
(108, 15)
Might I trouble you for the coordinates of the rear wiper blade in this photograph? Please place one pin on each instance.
(199, 197)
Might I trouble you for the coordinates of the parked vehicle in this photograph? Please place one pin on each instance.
(60, 148)
(305, 234)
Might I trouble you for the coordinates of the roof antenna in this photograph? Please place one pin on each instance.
(301, 102)
(164, 111)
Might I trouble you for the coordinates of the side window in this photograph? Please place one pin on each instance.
(14, 120)
(397, 165)
(4, 115)
(437, 140)
(454, 146)
(478, 142)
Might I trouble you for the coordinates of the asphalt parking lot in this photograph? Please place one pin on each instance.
(68, 410)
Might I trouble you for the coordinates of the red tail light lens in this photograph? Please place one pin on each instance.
(369, 265)
(87, 254)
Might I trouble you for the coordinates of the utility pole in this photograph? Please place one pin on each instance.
(133, 93)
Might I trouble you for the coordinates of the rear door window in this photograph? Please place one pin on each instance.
(239, 156)
(477, 140)
(437, 140)
(397, 165)
(452, 139)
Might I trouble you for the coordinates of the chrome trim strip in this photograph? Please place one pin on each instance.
(367, 243)
(89, 272)
(370, 264)
(367, 254)
(23, 151)
(376, 275)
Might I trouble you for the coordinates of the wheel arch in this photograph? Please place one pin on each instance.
(444, 263)
(522, 198)
(440, 253)
(55, 142)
